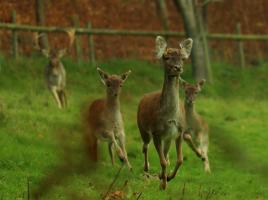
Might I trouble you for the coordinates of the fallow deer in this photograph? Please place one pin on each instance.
(104, 119)
(159, 113)
(55, 73)
(196, 125)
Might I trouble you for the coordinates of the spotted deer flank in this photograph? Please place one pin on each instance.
(104, 119)
(196, 125)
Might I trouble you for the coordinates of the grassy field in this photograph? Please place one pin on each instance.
(40, 145)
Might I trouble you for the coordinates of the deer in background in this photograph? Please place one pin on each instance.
(104, 119)
(196, 125)
(159, 115)
(55, 74)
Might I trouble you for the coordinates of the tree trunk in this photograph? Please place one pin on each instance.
(161, 10)
(192, 28)
(40, 20)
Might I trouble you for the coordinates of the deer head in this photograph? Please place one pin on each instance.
(113, 83)
(191, 90)
(173, 57)
(54, 55)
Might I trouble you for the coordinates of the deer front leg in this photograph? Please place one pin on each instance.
(163, 162)
(62, 98)
(110, 148)
(122, 143)
(117, 147)
(179, 157)
(166, 150)
(188, 138)
(56, 97)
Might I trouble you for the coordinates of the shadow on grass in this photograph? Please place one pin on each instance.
(233, 151)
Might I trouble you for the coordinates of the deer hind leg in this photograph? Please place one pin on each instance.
(179, 157)
(146, 140)
(91, 146)
(188, 138)
(163, 162)
(204, 147)
(110, 148)
(56, 96)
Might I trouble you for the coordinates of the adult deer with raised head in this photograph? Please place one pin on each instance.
(104, 119)
(196, 126)
(55, 74)
(159, 115)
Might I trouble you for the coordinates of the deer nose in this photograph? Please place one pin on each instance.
(189, 99)
(177, 68)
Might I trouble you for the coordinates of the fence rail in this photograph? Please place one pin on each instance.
(90, 32)
(94, 31)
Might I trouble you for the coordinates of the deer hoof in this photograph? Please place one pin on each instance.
(163, 185)
(130, 168)
(146, 167)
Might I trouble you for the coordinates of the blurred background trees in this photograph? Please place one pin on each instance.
(195, 17)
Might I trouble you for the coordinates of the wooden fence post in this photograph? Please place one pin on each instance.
(78, 50)
(14, 37)
(40, 20)
(91, 47)
(203, 32)
(241, 48)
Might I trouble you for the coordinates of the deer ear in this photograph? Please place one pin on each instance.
(160, 46)
(103, 75)
(125, 75)
(202, 82)
(45, 52)
(184, 84)
(61, 53)
(186, 47)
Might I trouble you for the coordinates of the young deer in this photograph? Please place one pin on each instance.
(196, 125)
(104, 119)
(55, 73)
(159, 114)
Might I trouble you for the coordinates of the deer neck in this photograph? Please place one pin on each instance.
(55, 65)
(170, 95)
(113, 103)
(189, 112)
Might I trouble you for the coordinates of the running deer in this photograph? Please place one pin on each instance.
(104, 119)
(55, 73)
(159, 115)
(196, 125)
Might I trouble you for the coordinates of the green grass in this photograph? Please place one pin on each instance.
(36, 138)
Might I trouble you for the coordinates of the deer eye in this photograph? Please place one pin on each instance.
(108, 85)
(120, 85)
(165, 57)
